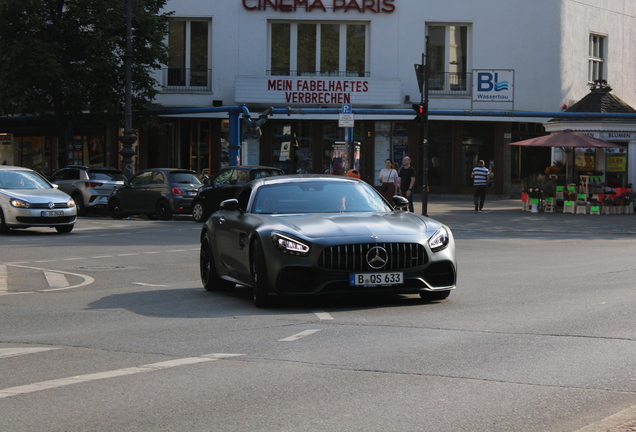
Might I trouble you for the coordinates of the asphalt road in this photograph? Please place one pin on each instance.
(109, 329)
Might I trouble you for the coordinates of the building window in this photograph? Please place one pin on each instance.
(324, 49)
(597, 58)
(448, 57)
(188, 47)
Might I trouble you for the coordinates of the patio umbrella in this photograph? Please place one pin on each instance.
(566, 141)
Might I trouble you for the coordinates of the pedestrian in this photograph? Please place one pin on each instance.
(407, 181)
(481, 177)
(388, 181)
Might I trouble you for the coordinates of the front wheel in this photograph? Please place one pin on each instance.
(115, 210)
(197, 212)
(259, 277)
(64, 229)
(163, 211)
(79, 203)
(434, 295)
(209, 277)
(3, 226)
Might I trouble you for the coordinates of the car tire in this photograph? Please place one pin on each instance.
(64, 229)
(260, 286)
(197, 212)
(4, 229)
(115, 210)
(434, 295)
(163, 211)
(81, 207)
(209, 277)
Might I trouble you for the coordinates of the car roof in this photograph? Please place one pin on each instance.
(13, 168)
(168, 170)
(301, 178)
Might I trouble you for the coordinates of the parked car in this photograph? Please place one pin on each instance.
(314, 234)
(89, 187)
(226, 184)
(157, 192)
(27, 199)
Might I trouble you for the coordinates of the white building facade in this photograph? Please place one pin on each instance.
(498, 56)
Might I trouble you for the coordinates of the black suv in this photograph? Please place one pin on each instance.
(90, 187)
(226, 184)
(157, 192)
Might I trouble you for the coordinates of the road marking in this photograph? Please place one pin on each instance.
(102, 256)
(152, 367)
(73, 259)
(152, 252)
(298, 336)
(147, 284)
(13, 352)
(56, 280)
(43, 261)
(176, 250)
(323, 315)
(128, 254)
(4, 285)
(87, 279)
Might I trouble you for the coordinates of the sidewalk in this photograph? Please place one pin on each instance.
(458, 212)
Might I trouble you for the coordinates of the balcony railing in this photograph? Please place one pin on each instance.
(187, 80)
(341, 74)
(450, 83)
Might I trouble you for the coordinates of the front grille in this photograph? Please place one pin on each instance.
(46, 205)
(45, 220)
(354, 257)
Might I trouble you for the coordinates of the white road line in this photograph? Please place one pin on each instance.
(4, 285)
(102, 256)
(87, 279)
(176, 250)
(56, 280)
(128, 254)
(43, 261)
(13, 352)
(147, 284)
(73, 259)
(298, 336)
(323, 315)
(152, 252)
(45, 385)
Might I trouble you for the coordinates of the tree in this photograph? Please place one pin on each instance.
(64, 58)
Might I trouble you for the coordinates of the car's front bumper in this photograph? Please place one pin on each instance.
(24, 218)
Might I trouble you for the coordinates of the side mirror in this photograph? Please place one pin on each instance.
(400, 203)
(230, 204)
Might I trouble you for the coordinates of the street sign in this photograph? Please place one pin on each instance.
(345, 120)
(347, 109)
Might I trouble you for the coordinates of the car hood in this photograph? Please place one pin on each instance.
(36, 195)
(358, 224)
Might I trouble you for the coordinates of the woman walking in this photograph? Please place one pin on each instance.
(388, 180)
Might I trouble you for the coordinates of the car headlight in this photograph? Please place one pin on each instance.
(20, 203)
(70, 203)
(290, 246)
(440, 240)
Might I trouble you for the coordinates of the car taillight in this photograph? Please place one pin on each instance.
(176, 191)
(93, 184)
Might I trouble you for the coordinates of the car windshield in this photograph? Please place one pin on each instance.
(317, 197)
(22, 180)
(260, 173)
(184, 178)
(106, 175)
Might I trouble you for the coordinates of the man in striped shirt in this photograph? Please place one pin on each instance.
(481, 177)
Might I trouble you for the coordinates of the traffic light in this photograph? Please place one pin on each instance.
(420, 113)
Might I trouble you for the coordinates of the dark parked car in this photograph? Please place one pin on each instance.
(158, 193)
(314, 234)
(89, 187)
(226, 184)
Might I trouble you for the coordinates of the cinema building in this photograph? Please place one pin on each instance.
(316, 58)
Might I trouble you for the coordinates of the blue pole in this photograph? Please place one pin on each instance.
(234, 137)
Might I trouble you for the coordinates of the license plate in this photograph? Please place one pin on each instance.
(192, 193)
(376, 279)
(52, 213)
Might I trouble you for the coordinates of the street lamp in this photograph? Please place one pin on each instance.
(128, 138)
(421, 110)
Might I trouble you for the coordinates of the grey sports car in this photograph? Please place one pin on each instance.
(318, 234)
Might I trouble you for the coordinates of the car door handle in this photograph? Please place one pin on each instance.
(221, 220)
